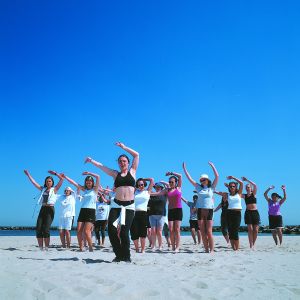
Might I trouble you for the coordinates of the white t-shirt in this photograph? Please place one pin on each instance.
(205, 197)
(141, 199)
(66, 206)
(102, 211)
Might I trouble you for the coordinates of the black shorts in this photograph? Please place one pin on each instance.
(275, 222)
(175, 214)
(87, 215)
(194, 224)
(139, 225)
(251, 217)
(205, 213)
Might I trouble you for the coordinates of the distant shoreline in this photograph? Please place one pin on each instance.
(289, 229)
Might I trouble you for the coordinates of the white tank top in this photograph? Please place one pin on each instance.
(234, 202)
(141, 199)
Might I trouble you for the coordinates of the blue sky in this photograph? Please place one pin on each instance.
(193, 82)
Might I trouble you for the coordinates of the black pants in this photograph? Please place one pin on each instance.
(121, 246)
(100, 226)
(234, 221)
(44, 221)
(224, 223)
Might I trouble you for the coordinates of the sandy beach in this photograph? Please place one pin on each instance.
(269, 272)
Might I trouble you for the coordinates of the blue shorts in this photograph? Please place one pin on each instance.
(157, 221)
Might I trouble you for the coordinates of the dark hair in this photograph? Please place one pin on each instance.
(124, 155)
(49, 177)
(236, 187)
(195, 196)
(275, 194)
(175, 178)
(89, 178)
(209, 183)
(140, 179)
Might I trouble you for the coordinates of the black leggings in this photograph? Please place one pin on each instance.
(121, 246)
(224, 223)
(44, 221)
(100, 226)
(139, 225)
(234, 221)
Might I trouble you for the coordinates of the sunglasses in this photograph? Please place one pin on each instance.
(202, 180)
(141, 184)
(232, 186)
(171, 181)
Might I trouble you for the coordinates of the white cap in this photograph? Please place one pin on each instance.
(69, 189)
(204, 176)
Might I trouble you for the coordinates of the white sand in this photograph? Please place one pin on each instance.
(269, 272)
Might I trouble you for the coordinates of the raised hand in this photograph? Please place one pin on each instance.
(52, 172)
(169, 173)
(244, 178)
(283, 187)
(87, 160)
(85, 173)
(119, 144)
(271, 187)
(26, 172)
(229, 177)
(211, 164)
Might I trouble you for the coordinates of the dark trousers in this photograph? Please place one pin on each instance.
(100, 226)
(44, 221)
(121, 246)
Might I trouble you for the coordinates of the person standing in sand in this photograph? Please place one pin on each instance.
(138, 230)
(194, 228)
(47, 200)
(66, 211)
(251, 218)
(205, 205)
(275, 217)
(234, 199)
(122, 207)
(157, 215)
(173, 193)
(86, 218)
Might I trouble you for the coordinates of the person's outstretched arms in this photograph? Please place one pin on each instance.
(284, 195)
(254, 187)
(184, 200)
(215, 182)
(39, 187)
(267, 191)
(78, 186)
(61, 179)
(99, 165)
(191, 180)
(241, 184)
(135, 154)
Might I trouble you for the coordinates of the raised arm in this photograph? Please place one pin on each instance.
(61, 179)
(191, 180)
(78, 186)
(96, 187)
(267, 191)
(103, 198)
(179, 184)
(99, 165)
(215, 182)
(166, 184)
(284, 195)
(136, 155)
(241, 184)
(39, 187)
(218, 207)
(254, 187)
(184, 200)
(151, 184)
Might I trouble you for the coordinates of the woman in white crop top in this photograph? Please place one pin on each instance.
(138, 230)
(234, 198)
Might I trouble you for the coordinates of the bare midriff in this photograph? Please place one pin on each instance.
(252, 206)
(124, 193)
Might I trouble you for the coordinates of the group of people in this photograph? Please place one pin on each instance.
(133, 205)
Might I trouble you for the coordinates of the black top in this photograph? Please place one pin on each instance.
(224, 204)
(157, 205)
(127, 180)
(250, 200)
